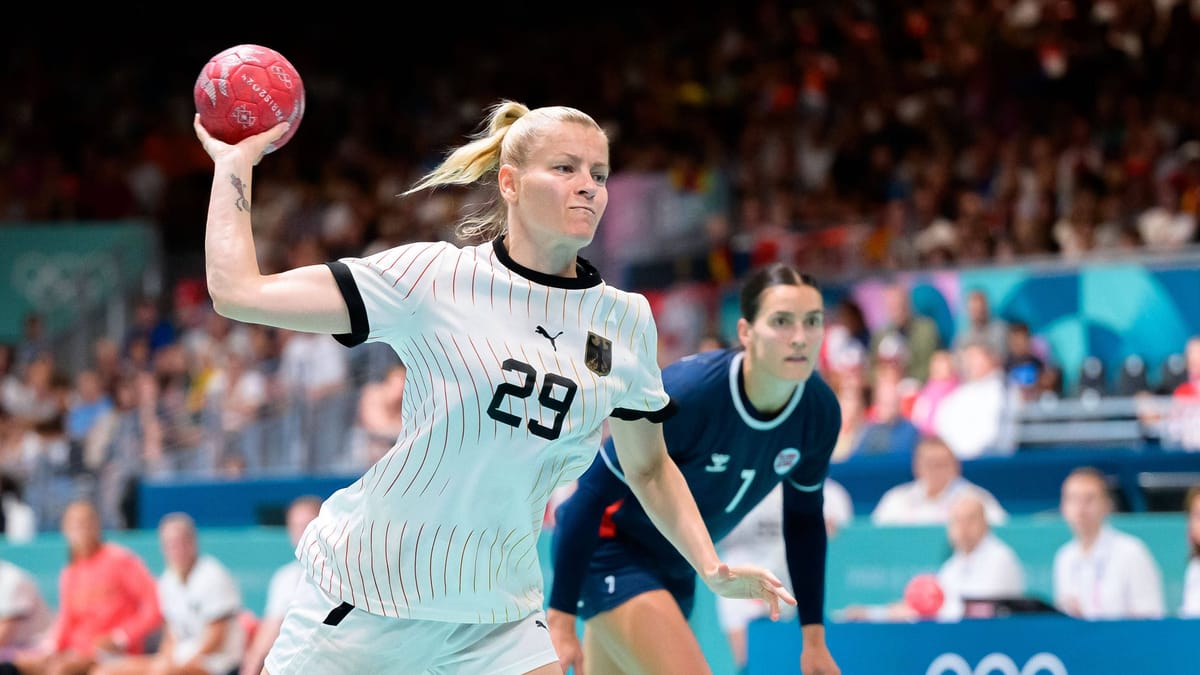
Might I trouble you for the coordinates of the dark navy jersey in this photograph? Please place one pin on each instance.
(730, 455)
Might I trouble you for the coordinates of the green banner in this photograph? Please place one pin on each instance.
(63, 270)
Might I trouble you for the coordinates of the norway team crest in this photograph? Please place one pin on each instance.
(598, 354)
(786, 459)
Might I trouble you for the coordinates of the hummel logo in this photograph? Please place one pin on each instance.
(719, 463)
(542, 331)
(539, 624)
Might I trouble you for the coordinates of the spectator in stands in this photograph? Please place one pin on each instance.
(35, 397)
(107, 602)
(847, 338)
(24, 615)
(107, 363)
(853, 398)
(88, 402)
(758, 539)
(943, 379)
(1191, 581)
(9, 387)
(937, 483)
(1191, 389)
(1102, 573)
(149, 326)
(1179, 422)
(314, 374)
(379, 407)
(918, 334)
(283, 582)
(981, 567)
(200, 602)
(982, 325)
(888, 431)
(973, 419)
(18, 520)
(1022, 366)
(237, 391)
(34, 344)
(1167, 225)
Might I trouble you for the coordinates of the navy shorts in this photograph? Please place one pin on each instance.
(616, 575)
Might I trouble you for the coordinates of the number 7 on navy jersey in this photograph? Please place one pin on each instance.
(546, 398)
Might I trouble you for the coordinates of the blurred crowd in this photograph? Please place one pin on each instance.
(854, 138)
(850, 136)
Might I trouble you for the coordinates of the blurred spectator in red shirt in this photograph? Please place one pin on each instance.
(108, 601)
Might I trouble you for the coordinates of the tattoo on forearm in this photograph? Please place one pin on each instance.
(241, 203)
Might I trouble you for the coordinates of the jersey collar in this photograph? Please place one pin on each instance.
(742, 403)
(586, 274)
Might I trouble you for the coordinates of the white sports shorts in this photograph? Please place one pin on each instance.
(321, 634)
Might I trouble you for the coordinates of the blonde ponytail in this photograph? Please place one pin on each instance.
(509, 131)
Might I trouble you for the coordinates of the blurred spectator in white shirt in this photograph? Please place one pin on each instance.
(971, 419)
(1166, 226)
(24, 614)
(18, 517)
(200, 601)
(1102, 573)
(982, 567)
(282, 586)
(312, 365)
(937, 483)
(1191, 581)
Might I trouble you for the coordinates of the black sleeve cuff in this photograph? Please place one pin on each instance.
(354, 304)
(656, 416)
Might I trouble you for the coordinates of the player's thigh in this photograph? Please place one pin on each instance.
(649, 635)
(596, 659)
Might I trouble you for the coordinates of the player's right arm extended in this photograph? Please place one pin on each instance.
(302, 299)
(663, 492)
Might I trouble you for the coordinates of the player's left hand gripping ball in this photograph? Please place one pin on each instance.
(246, 90)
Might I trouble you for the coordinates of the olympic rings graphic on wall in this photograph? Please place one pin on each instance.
(1042, 663)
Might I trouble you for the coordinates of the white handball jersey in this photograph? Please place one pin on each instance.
(510, 375)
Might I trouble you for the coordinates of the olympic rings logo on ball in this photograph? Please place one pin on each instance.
(1042, 663)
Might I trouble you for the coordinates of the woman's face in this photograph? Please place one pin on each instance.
(560, 193)
(784, 339)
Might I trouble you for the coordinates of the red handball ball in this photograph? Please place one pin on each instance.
(923, 595)
(246, 90)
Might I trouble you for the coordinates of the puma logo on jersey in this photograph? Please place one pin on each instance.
(544, 333)
(719, 463)
(539, 624)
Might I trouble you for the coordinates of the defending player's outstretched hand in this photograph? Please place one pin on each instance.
(749, 581)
